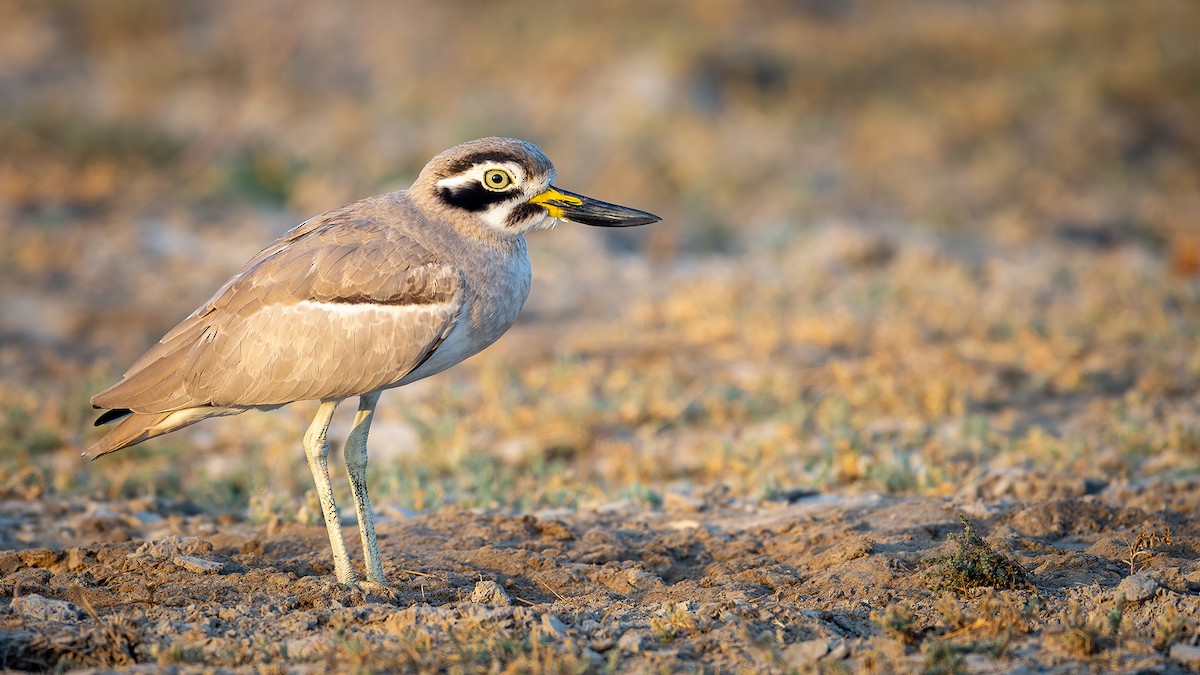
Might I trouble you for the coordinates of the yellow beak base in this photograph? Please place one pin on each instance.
(553, 195)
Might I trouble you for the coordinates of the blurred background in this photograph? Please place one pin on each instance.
(910, 247)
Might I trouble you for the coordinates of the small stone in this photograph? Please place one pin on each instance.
(632, 642)
(303, 647)
(1193, 580)
(198, 565)
(100, 517)
(488, 592)
(805, 653)
(46, 609)
(837, 650)
(1138, 588)
(1187, 656)
(143, 518)
(554, 625)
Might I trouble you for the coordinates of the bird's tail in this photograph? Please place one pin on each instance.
(133, 427)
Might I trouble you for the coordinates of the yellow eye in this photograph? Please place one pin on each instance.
(496, 179)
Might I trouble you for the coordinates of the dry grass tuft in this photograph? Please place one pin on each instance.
(1078, 633)
(1169, 628)
(989, 624)
(899, 621)
(1144, 544)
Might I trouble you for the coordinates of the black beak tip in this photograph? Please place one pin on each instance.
(646, 219)
(615, 216)
(634, 220)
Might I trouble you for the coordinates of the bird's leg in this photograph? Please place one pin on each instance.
(356, 468)
(317, 450)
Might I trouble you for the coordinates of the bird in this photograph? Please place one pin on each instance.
(374, 295)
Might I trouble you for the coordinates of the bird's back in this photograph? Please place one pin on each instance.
(347, 303)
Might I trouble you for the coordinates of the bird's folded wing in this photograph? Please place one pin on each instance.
(344, 307)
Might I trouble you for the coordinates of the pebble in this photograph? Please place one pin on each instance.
(631, 642)
(1193, 577)
(46, 609)
(198, 565)
(554, 625)
(1138, 588)
(805, 653)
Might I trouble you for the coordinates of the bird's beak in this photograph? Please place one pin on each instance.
(565, 205)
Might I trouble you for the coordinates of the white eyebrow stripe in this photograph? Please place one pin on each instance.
(475, 174)
(457, 181)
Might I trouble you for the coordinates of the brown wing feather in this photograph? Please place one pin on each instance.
(341, 305)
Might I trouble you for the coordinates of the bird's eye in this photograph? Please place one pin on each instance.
(496, 179)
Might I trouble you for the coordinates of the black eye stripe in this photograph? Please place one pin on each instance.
(472, 196)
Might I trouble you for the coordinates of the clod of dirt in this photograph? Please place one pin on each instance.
(39, 557)
(488, 592)
(172, 546)
(851, 548)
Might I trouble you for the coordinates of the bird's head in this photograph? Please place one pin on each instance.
(506, 185)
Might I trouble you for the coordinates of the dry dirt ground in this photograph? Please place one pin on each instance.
(705, 583)
(918, 261)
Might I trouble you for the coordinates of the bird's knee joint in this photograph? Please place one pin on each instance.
(316, 448)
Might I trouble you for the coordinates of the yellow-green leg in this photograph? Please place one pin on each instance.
(317, 450)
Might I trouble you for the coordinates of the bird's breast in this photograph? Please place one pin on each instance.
(495, 291)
